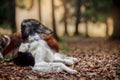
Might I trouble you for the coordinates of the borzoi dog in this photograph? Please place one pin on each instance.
(10, 43)
(46, 60)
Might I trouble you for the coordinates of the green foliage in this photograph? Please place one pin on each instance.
(99, 9)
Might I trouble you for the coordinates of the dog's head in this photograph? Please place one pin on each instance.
(32, 26)
(4, 42)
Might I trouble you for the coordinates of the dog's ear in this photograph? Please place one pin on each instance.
(25, 30)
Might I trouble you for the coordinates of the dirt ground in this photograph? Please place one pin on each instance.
(98, 60)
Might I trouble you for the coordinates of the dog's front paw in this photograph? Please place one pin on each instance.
(69, 62)
(75, 60)
(73, 72)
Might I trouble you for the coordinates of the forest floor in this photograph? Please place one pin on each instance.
(99, 59)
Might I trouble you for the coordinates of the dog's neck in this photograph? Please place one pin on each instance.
(35, 37)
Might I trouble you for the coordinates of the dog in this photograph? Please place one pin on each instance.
(46, 60)
(11, 43)
(35, 52)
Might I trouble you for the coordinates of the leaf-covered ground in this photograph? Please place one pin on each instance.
(98, 60)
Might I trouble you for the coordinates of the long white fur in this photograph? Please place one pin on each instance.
(47, 60)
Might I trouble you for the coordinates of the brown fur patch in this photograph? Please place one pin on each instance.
(16, 40)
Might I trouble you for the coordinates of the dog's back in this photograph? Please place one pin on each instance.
(52, 42)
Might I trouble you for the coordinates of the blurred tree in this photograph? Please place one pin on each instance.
(72, 10)
(7, 13)
(12, 13)
(25, 4)
(86, 14)
(96, 11)
(65, 15)
(4, 10)
(116, 17)
(53, 20)
(107, 28)
(77, 14)
(39, 4)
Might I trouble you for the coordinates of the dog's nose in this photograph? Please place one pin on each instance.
(49, 32)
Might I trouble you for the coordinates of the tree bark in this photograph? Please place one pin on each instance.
(54, 21)
(39, 4)
(86, 29)
(107, 28)
(65, 16)
(116, 17)
(78, 4)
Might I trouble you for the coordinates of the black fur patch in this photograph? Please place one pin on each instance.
(24, 59)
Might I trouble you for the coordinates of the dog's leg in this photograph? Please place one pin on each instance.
(53, 67)
(64, 59)
(72, 58)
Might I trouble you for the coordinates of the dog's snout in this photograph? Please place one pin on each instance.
(48, 32)
(44, 30)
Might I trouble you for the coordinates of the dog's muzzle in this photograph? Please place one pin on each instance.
(1, 56)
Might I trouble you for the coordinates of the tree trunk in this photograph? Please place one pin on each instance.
(53, 20)
(116, 17)
(39, 4)
(12, 15)
(65, 16)
(78, 4)
(107, 28)
(86, 29)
